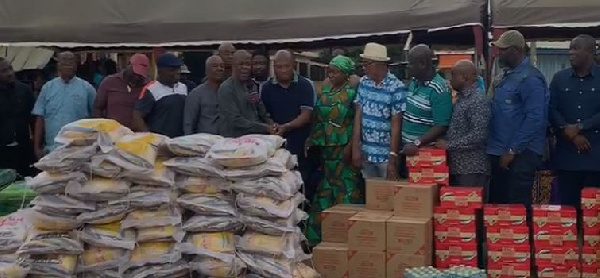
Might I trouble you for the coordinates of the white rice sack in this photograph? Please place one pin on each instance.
(266, 207)
(195, 166)
(211, 223)
(136, 152)
(192, 145)
(53, 183)
(88, 131)
(14, 229)
(108, 235)
(66, 159)
(279, 188)
(240, 152)
(205, 204)
(61, 204)
(109, 273)
(98, 189)
(161, 176)
(142, 197)
(286, 245)
(45, 219)
(179, 269)
(40, 242)
(218, 265)
(148, 253)
(104, 214)
(145, 218)
(209, 243)
(205, 185)
(160, 233)
(270, 267)
(100, 166)
(14, 269)
(95, 259)
(274, 142)
(275, 166)
(274, 226)
(52, 266)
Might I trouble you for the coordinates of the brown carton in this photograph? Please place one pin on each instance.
(366, 230)
(415, 201)
(366, 264)
(331, 260)
(334, 222)
(409, 236)
(380, 194)
(396, 262)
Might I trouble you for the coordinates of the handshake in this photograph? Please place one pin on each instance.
(277, 129)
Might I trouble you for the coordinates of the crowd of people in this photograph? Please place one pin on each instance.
(353, 128)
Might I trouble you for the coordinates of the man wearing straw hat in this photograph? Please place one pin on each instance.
(380, 103)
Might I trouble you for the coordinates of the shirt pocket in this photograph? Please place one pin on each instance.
(508, 100)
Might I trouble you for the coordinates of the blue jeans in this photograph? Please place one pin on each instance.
(372, 170)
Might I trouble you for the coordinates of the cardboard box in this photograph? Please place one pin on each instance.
(557, 236)
(334, 222)
(367, 230)
(366, 264)
(437, 174)
(447, 255)
(453, 217)
(397, 262)
(415, 201)
(557, 255)
(455, 234)
(554, 216)
(427, 157)
(410, 236)
(509, 254)
(554, 270)
(591, 219)
(502, 270)
(453, 196)
(505, 215)
(590, 271)
(331, 260)
(508, 236)
(590, 198)
(590, 256)
(591, 238)
(380, 194)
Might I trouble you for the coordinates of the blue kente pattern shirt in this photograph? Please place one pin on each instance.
(60, 103)
(379, 102)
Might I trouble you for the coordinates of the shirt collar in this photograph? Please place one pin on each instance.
(385, 80)
(520, 67)
(294, 80)
(594, 71)
(471, 90)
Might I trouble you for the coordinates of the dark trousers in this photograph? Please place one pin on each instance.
(19, 158)
(570, 184)
(514, 186)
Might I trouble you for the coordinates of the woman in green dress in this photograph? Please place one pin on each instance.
(331, 138)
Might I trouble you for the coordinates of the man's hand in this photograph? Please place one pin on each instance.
(410, 149)
(441, 144)
(347, 155)
(392, 169)
(582, 144)
(253, 97)
(357, 159)
(39, 152)
(571, 131)
(506, 159)
(282, 129)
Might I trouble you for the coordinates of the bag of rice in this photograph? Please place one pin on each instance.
(154, 253)
(160, 233)
(266, 207)
(195, 166)
(14, 270)
(275, 166)
(100, 166)
(53, 183)
(13, 231)
(268, 266)
(109, 273)
(9, 258)
(66, 159)
(239, 152)
(99, 189)
(274, 142)
(108, 235)
(204, 185)
(179, 269)
(61, 204)
(218, 265)
(53, 265)
(192, 145)
(104, 214)
(96, 259)
(88, 131)
(46, 242)
(274, 226)
(208, 243)
(49, 220)
(162, 176)
(146, 197)
(278, 188)
(136, 152)
(286, 245)
(303, 271)
(145, 218)
(210, 223)
(216, 204)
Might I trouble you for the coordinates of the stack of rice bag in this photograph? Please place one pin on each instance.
(13, 233)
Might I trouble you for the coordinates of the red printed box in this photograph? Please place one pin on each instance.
(591, 238)
(553, 216)
(590, 219)
(558, 271)
(590, 256)
(453, 217)
(438, 174)
(502, 270)
(427, 157)
(507, 254)
(558, 237)
(588, 271)
(447, 255)
(455, 235)
(557, 255)
(505, 215)
(452, 196)
(590, 198)
(513, 236)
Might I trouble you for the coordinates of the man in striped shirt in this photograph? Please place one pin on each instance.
(428, 105)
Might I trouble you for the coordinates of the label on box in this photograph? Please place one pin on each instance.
(455, 234)
(409, 236)
(562, 237)
(427, 157)
(518, 236)
(590, 198)
(397, 262)
(453, 217)
(590, 256)
(505, 215)
(588, 271)
(415, 201)
(447, 255)
(366, 230)
(557, 255)
(591, 238)
(334, 222)
(506, 254)
(438, 174)
(503, 270)
(590, 219)
(366, 264)
(380, 194)
(552, 216)
(331, 259)
(557, 271)
(452, 196)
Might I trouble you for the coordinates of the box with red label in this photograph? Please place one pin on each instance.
(590, 271)
(556, 271)
(554, 216)
(453, 196)
(591, 238)
(557, 255)
(557, 236)
(510, 236)
(507, 254)
(590, 256)
(590, 219)
(590, 198)
(513, 215)
(447, 255)
(504, 270)
(455, 235)
(427, 157)
(453, 217)
(438, 174)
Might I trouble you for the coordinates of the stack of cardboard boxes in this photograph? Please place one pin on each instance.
(590, 253)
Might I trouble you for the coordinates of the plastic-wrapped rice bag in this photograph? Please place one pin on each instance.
(274, 226)
(14, 270)
(61, 204)
(53, 265)
(179, 269)
(239, 152)
(145, 218)
(218, 265)
(162, 176)
(98, 189)
(274, 142)
(160, 233)
(204, 185)
(275, 166)
(208, 243)
(100, 166)
(216, 204)
(104, 214)
(286, 245)
(96, 259)
(266, 207)
(109, 273)
(192, 145)
(14, 230)
(279, 188)
(53, 183)
(154, 253)
(45, 243)
(108, 235)
(66, 159)
(136, 152)
(270, 267)
(195, 166)
(146, 197)
(88, 131)
(49, 220)
(303, 271)
(211, 223)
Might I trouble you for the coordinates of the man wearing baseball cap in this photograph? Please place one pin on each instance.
(517, 137)
(119, 92)
(160, 106)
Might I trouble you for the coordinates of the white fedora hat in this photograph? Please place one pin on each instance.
(375, 52)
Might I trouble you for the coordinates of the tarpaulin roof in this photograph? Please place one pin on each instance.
(132, 23)
(545, 13)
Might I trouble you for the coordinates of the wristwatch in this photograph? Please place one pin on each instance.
(417, 142)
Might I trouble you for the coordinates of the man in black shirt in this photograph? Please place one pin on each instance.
(16, 103)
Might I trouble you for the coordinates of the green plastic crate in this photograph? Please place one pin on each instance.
(14, 197)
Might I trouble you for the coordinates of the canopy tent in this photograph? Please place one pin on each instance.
(142, 23)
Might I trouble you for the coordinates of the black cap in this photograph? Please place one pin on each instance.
(168, 60)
